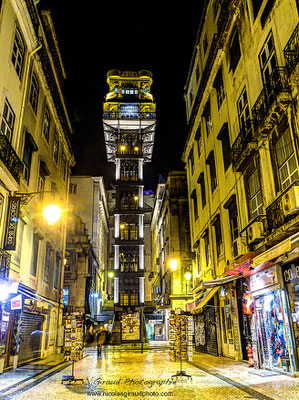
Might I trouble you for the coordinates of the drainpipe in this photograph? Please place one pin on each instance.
(26, 74)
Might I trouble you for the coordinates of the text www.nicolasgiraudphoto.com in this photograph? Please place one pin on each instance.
(129, 394)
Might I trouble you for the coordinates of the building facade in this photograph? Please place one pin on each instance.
(129, 127)
(241, 159)
(35, 162)
(171, 241)
(87, 247)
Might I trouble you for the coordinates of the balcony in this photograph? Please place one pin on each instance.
(272, 101)
(291, 51)
(4, 264)
(10, 158)
(244, 146)
(282, 214)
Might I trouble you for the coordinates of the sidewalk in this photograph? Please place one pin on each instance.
(28, 371)
(269, 383)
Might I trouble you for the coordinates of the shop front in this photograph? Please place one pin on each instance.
(272, 336)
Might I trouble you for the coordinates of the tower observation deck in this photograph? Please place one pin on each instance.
(129, 120)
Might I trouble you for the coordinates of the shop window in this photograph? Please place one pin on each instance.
(195, 206)
(285, 156)
(234, 50)
(8, 121)
(254, 190)
(226, 148)
(34, 92)
(18, 53)
(219, 86)
(212, 167)
(268, 59)
(201, 181)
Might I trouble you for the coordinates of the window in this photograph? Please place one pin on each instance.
(218, 85)
(34, 92)
(29, 148)
(8, 120)
(197, 73)
(18, 52)
(256, 5)
(207, 248)
(212, 166)
(35, 247)
(198, 260)
(267, 9)
(47, 262)
(205, 43)
(226, 149)
(243, 109)
(43, 172)
(267, 57)
(234, 50)
(191, 160)
(73, 188)
(194, 202)
(285, 157)
(63, 166)
(218, 236)
(191, 97)
(231, 206)
(201, 181)
(128, 171)
(57, 270)
(46, 125)
(56, 147)
(197, 138)
(254, 190)
(128, 262)
(207, 117)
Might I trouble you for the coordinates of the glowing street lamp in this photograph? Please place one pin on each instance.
(188, 276)
(173, 263)
(110, 274)
(52, 213)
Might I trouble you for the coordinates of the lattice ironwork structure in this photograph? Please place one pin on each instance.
(129, 119)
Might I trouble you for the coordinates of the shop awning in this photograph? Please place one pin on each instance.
(31, 294)
(220, 281)
(204, 301)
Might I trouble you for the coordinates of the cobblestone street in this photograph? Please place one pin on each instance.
(128, 373)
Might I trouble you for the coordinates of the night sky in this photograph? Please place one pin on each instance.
(95, 38)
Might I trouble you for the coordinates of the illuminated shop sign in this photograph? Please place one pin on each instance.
(12, 223)
(290, 273)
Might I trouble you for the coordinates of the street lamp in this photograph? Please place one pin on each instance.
(173, 263)
(188, 276)
(111, 274)
(52, 213)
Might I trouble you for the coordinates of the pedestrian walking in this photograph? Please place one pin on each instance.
(101, 339)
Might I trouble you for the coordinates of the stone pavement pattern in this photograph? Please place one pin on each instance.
(119, 374)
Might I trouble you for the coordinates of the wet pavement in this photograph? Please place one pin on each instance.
(127, 373)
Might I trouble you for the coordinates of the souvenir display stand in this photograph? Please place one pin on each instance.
(73, 344)
(180, 336)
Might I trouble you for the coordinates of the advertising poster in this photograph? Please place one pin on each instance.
(130, 327)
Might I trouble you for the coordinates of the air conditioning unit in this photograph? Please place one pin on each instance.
(290, 201)
(255, 232)
(238, 248)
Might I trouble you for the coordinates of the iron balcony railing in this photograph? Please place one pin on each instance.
(245, 137)
(291, 51)
(4, 264)
(129, 115)
(275, 211)
(276, 84)
(10, 158)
